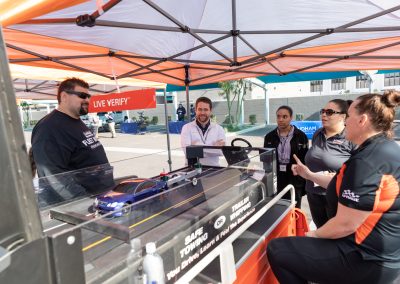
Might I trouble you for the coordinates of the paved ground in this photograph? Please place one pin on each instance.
(146, 155)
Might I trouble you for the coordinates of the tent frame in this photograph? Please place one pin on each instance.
(227, 65)
(224, 66)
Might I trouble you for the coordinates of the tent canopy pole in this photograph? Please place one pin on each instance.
(167, 129)
(187, 82)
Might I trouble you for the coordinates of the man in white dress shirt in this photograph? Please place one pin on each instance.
(204, 132)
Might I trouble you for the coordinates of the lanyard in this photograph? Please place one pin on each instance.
(282, 149)
(203, 138)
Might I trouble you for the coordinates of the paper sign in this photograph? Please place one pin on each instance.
(130, 100)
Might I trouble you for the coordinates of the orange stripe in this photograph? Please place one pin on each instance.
(17, 11)
(386, 195)
(339, 179)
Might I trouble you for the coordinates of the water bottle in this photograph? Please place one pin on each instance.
(135, 273)
(153, 265)
(198, 168)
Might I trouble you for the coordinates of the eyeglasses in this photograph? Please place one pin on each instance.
(329, 112)
(81, 95)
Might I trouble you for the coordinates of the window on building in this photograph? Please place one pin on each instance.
(316, 86)
(338, 84)
(160, 100)
(392, 79)
(362, 82)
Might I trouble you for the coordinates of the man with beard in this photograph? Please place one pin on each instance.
(288, 140)
(203, 132)
(61, 143)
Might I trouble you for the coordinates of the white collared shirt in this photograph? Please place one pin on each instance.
(191, 134)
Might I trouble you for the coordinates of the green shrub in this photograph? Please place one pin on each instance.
(233, 128)
(226, 120)
(154, 120)
(252, 119)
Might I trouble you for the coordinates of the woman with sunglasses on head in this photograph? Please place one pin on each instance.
(360, 242)
(328, 152)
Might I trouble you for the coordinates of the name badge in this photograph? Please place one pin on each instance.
(282, 168)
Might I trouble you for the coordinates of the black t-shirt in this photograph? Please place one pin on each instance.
(62, 144)
(369, 181)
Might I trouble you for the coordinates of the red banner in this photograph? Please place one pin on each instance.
(139, 99)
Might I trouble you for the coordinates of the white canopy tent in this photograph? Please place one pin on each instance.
(233, 34)
(39, 83)
(196, 42)
(44, 74)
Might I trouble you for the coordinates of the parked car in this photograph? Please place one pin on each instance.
(120, 198)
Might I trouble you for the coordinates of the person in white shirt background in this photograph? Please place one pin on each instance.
(94, 123)
(111, 123)
(202, 131)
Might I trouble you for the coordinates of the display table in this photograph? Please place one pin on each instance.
(175, 127)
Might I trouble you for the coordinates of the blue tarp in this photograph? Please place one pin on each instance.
(175, 127)
(132, 128)
(308, 127)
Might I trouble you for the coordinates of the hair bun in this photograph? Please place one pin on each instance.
(391, 98)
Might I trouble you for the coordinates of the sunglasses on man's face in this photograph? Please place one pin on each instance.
(329, 112)
(81, 95)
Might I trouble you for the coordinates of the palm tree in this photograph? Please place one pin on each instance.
(234, 91)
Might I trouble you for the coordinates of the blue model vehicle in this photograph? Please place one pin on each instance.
(126, 193)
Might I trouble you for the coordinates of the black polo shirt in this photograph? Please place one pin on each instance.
(369, 181)
(327, 154)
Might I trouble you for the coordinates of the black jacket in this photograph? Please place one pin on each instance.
(298, 146)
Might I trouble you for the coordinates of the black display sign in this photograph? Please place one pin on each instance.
(192, 245)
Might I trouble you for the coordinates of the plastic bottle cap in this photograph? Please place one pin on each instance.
(150, 247)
